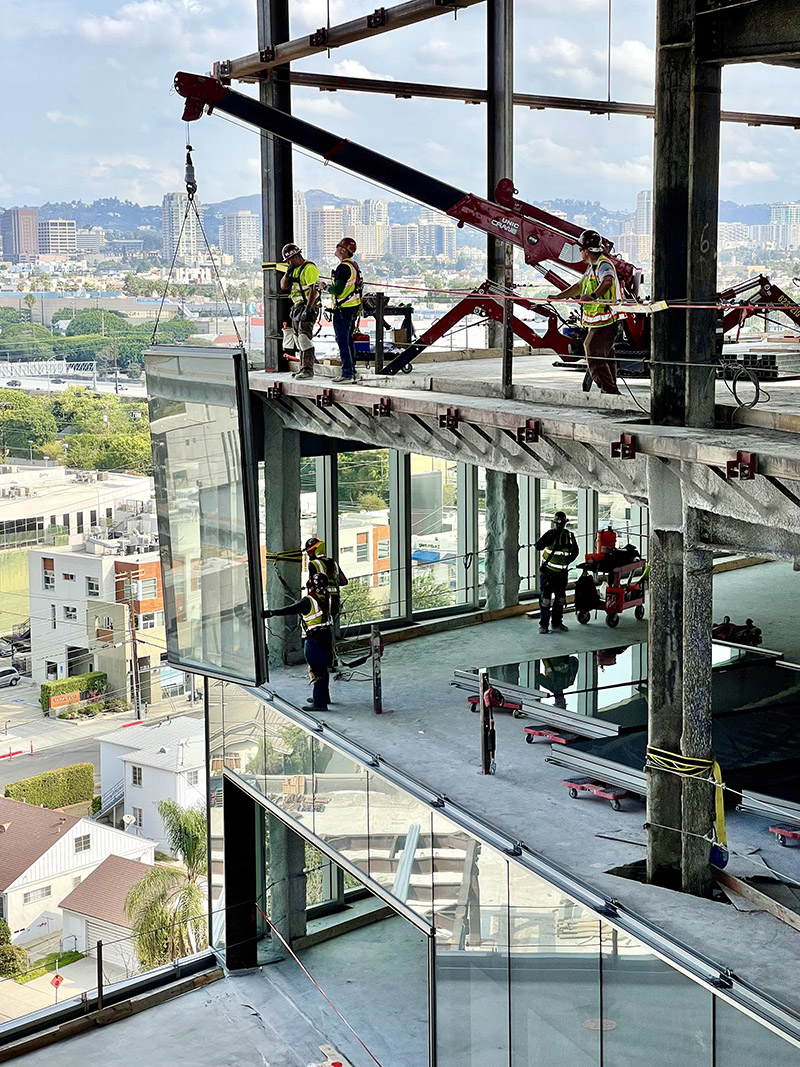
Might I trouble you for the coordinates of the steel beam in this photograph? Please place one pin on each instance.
(764, 32)
(380, 21)
(408, 90)
(277, 213)
(499, 140)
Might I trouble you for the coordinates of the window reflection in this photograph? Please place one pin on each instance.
(437, 571)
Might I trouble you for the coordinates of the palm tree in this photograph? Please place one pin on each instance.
(167, 908)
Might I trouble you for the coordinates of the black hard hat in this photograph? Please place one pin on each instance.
(314, 544)
(289, 250)
(318, 582)
(560, 518)
(591, 241)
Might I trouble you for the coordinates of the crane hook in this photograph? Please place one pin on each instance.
(189, 177)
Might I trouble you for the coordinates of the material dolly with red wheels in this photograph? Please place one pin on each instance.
(599, 789)
(558, 737)
(785, 833)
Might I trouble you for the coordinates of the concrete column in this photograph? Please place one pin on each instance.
(286, 879)
(499, 133)
(501, 571)
(282, 532)
(696, 742)
(665, 698)
(277, 186)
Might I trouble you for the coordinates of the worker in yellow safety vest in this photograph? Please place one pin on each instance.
(345, 288)
(597, 291)
(315, 616)
(559, 548)
(319, 563)
(301, 281)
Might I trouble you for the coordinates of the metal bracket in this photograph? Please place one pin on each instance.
(319, 38)
(383, 408)
(448, 420)
(324, 399)
(625, 448)
(529, 433)
(267, 55)
(743, 467)
(274, 391)
(377, 18)
(222, 69)
(724, 980)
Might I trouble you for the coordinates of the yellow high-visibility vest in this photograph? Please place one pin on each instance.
(599, 314)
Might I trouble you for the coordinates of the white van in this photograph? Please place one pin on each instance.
(8, 676)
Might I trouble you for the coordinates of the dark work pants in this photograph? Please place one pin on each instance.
(344, 324)
(552, 596)
(599, 349)
(317, 649)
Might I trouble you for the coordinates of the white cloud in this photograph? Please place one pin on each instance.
(60, 117)
(314, 13)
(351, 68)
(321, 106)
(743, 171)
(637, 171)
(566, 60)
(634, 59)
(253, 166)
(126, 161)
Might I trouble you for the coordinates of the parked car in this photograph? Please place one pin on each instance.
(14, 381)
(57, 381)
(5, 649)
(9, 676)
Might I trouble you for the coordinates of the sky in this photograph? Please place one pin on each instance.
(88, 108)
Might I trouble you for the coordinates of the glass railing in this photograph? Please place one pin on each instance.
(530, 963)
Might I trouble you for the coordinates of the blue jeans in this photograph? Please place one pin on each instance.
(318, 650)
(344, 325)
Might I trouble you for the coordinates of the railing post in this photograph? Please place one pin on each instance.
(99, 975)
(380, 303)
(508, 347)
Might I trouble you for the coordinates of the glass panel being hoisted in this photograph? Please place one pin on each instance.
(207, 519)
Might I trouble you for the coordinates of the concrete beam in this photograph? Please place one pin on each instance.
(765, 32)
(381, 21)
(408, 90)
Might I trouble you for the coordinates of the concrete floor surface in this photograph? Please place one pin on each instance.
(433, 737)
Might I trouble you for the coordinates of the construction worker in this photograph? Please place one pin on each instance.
(315, 616)
(302, 281)
(345, 288)
(599, 281)
(559, 548)
(319, 563)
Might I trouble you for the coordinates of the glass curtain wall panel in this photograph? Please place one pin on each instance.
(206, 497)
(528, 532)
(402, 851)
(364, 537)
(437, 571)
(340, 804)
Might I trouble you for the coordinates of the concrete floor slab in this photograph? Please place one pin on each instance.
(433, 737)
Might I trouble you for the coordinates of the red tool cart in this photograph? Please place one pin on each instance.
(622, 595)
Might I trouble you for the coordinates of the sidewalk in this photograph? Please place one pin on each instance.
(17, 999)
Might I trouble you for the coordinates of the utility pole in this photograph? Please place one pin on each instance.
(135, 679)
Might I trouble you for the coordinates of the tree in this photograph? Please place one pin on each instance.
(371, 502)
(358, 604)
(99, 321)
(5, 933)
(426, 592)
(167, 908)
(13, 961)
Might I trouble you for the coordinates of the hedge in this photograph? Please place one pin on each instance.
(55, 789)
(13, 960)
(95, 681)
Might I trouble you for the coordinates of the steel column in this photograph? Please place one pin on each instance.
(499, 134)
(276, 179)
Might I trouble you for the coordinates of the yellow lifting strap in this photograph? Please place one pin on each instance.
(687, 767)
(291, 555)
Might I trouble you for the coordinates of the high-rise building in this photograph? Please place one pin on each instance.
(785, 213)
(404, 241)
(374, 211)
(240, 237)
(58, 237)
(644, 212)
(20, 229)
(352, 215)
(437, 240)
(91, 240)
(324, 232)
(300, 219)
(173, 210)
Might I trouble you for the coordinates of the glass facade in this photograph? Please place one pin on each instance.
(519, 971)
(208, 527)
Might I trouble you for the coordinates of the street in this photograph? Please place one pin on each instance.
(57, 742)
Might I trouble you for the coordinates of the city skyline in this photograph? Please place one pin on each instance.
(121, 134)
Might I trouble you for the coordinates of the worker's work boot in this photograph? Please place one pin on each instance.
(544, 629)
(306, 365)
(560, 627)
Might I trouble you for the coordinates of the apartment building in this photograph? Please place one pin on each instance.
(58, 237)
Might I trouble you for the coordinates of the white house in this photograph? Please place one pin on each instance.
(143, 764)
(44, 855)
(95, 911)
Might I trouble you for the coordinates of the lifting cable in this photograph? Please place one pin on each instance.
(191, 206)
